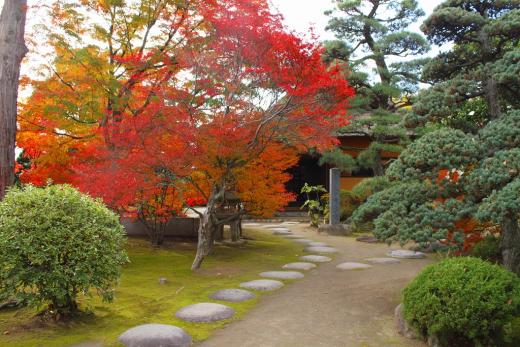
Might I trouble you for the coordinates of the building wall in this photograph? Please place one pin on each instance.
(177, 227)
(347, 183)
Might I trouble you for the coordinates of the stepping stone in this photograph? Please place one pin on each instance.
(294, 237)
(368, 239)
(232, 295)
(318, 244)
(316, 258)
(275, 226)
(282, 233)
(153, 335)
(383, 261)
(252, 224)
(321, 250)
(406, 254)
(205, 312)
(280, 229)
(262, 285)
(304, 241)
(353, 266)
(282, 275)
(291, 223)
(299, 266)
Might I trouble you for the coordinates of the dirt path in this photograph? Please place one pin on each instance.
(329, 307)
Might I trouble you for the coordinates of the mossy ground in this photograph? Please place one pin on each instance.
(141, 299)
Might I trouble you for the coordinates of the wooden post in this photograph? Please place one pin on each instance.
(12, 51)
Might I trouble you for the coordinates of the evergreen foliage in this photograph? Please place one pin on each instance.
(463, 302)
(57, 244)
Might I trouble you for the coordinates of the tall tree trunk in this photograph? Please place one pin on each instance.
(12, 51)
(378, 165)
(491, 92)
(510, 244)
(206, 233)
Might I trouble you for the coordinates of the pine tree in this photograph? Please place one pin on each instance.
(376, 31)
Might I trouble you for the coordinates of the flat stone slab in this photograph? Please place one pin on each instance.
(275, 226)
(299, 266)
(316, 258)
(154, 335)
(282, 233)
(318, 244)
(205, 312)
(262, 285)
(279, 229)
(321, 250)
(353, 266)
(304, 241)
(252, 224)
(282, 275)
(406, 254)
(291, 223)
(291, 236)
(232, 295)
(367, 239)
(383, 261)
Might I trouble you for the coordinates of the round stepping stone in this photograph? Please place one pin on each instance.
(291, 223)
(316, 258)
(252, 224)
(275, 226)
(353, 266)
(367, 239)
(279, 229)
(294, 236)
(232, 295)
(282, 275)
(304, 241)
(205, 312)
(153, 335)
(318, 244)
(406, 254)
(321, 250)
(282, 233)
(262, 285)
(299, 266)
(383, 261)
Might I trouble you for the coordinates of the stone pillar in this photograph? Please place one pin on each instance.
(334, 197)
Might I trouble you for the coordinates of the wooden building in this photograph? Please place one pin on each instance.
(309, 171)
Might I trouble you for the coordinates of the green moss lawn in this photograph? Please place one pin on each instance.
(141, 299)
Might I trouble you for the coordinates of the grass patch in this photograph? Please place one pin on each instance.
(141, 299)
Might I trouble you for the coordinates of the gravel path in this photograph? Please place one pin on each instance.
(329, 307)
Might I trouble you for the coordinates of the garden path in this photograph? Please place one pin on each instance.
(329, 307)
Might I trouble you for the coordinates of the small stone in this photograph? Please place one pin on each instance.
(384, 261)
(282, 275)
(262, 285)
(163, 280)
(304, 241)
(402, 325)
(321, 250)
(153, 335)
(318, 244)
(299, 266)
(353, 266)
(282, 233)
(294, 237)
(316, 258)
(205, 312)
(232, 295)
(406, 254)
(367, 239)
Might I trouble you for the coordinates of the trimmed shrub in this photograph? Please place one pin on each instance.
(57, 244)
(463, 301)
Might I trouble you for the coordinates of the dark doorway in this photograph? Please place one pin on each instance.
(306, 171)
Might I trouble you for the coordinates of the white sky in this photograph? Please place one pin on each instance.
(302, 14)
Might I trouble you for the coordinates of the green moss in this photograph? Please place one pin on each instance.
(141, 299)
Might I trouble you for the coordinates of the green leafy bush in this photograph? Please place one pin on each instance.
(464, 301)
(56, 244)
(316, 203)
(488, 249)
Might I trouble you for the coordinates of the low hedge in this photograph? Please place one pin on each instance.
(464, 301)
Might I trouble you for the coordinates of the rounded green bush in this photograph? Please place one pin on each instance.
(488, 249)
(57, 244)
(463, 301)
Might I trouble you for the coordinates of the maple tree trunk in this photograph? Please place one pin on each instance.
(12, 51)
(206, 232)
(510, 244)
